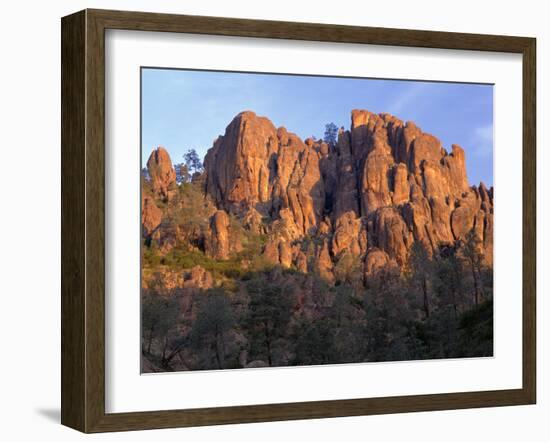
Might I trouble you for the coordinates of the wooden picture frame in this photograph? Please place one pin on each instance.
(83, 220)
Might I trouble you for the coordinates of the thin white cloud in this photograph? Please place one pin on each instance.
(482, 141)
(404, 100)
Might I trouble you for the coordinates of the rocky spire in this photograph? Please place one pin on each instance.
(161, 172)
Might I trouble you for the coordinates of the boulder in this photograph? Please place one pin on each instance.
(217, 243)
(197, 278)
(323, 263)
(393, 234)
(161, 172)
(377, 261)
(347, 235)
(151, 215)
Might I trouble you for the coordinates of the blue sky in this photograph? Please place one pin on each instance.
(188, 109)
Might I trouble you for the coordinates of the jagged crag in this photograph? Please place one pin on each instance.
(291, 252)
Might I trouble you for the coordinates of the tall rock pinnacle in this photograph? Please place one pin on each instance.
(161, 172)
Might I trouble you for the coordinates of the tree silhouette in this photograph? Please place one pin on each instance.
(214, 320)
(182, 173)
(421, 273)
(473, 253)
(159, 316)
(331, 134)
(193, 161)
(269, 313)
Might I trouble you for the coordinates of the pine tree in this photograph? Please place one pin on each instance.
(331, 134)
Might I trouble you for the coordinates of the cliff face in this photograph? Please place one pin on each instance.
(384, 185)
(258, 169)
(360, 250)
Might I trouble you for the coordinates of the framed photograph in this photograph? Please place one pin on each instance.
(267, 221)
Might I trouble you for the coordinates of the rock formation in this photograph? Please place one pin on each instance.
(217, 241)
(161, 173)
(255, 166)
(198, 278)
(385, 184)
(382, 186)
(151, 215)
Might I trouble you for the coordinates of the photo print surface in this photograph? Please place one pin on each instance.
(295, 220)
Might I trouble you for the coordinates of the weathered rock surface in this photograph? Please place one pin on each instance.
(377, 261)
(165, 280)
(217, 244)
(280, 252)
(255, 166)
(349, 235)
(197, 278)
(323, 262)
(392, 234)
(161, 173)
(151, 215)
